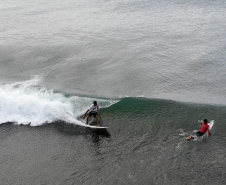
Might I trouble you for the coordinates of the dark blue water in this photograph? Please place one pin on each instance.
(155, 68)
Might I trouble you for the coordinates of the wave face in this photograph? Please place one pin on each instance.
(145, 134)
(28, 103)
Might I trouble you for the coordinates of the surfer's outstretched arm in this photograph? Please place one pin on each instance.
(85, 114)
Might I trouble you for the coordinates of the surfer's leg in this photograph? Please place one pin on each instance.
(199, 133)
(190, 137)
(97, 121)
(87, 119)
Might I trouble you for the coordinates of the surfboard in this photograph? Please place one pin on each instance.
(96, 127)
(211, 123)
(92, 124)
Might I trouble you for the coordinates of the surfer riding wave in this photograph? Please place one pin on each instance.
(92, 111)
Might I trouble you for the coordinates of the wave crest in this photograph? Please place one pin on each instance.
(27, 103)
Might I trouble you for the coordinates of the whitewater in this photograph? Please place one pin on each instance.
(27, 103)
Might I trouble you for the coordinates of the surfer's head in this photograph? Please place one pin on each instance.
(95, 103)
(205, 120)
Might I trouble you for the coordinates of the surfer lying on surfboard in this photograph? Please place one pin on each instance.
(204, 128)
(92, 111)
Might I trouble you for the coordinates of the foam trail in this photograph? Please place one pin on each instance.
(27, 103)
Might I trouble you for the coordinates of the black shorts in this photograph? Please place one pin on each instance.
(199, 133)
(94, 114)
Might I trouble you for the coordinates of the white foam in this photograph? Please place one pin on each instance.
(27, 103)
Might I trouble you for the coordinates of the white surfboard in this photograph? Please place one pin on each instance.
(91, 125)
(211, 123)
(96, 127)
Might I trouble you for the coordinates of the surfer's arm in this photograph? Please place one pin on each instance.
(85, 114)
(208, 130)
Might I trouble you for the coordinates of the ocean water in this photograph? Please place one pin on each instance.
(154, 67)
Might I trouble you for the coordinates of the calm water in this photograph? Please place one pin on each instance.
(155, 67)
